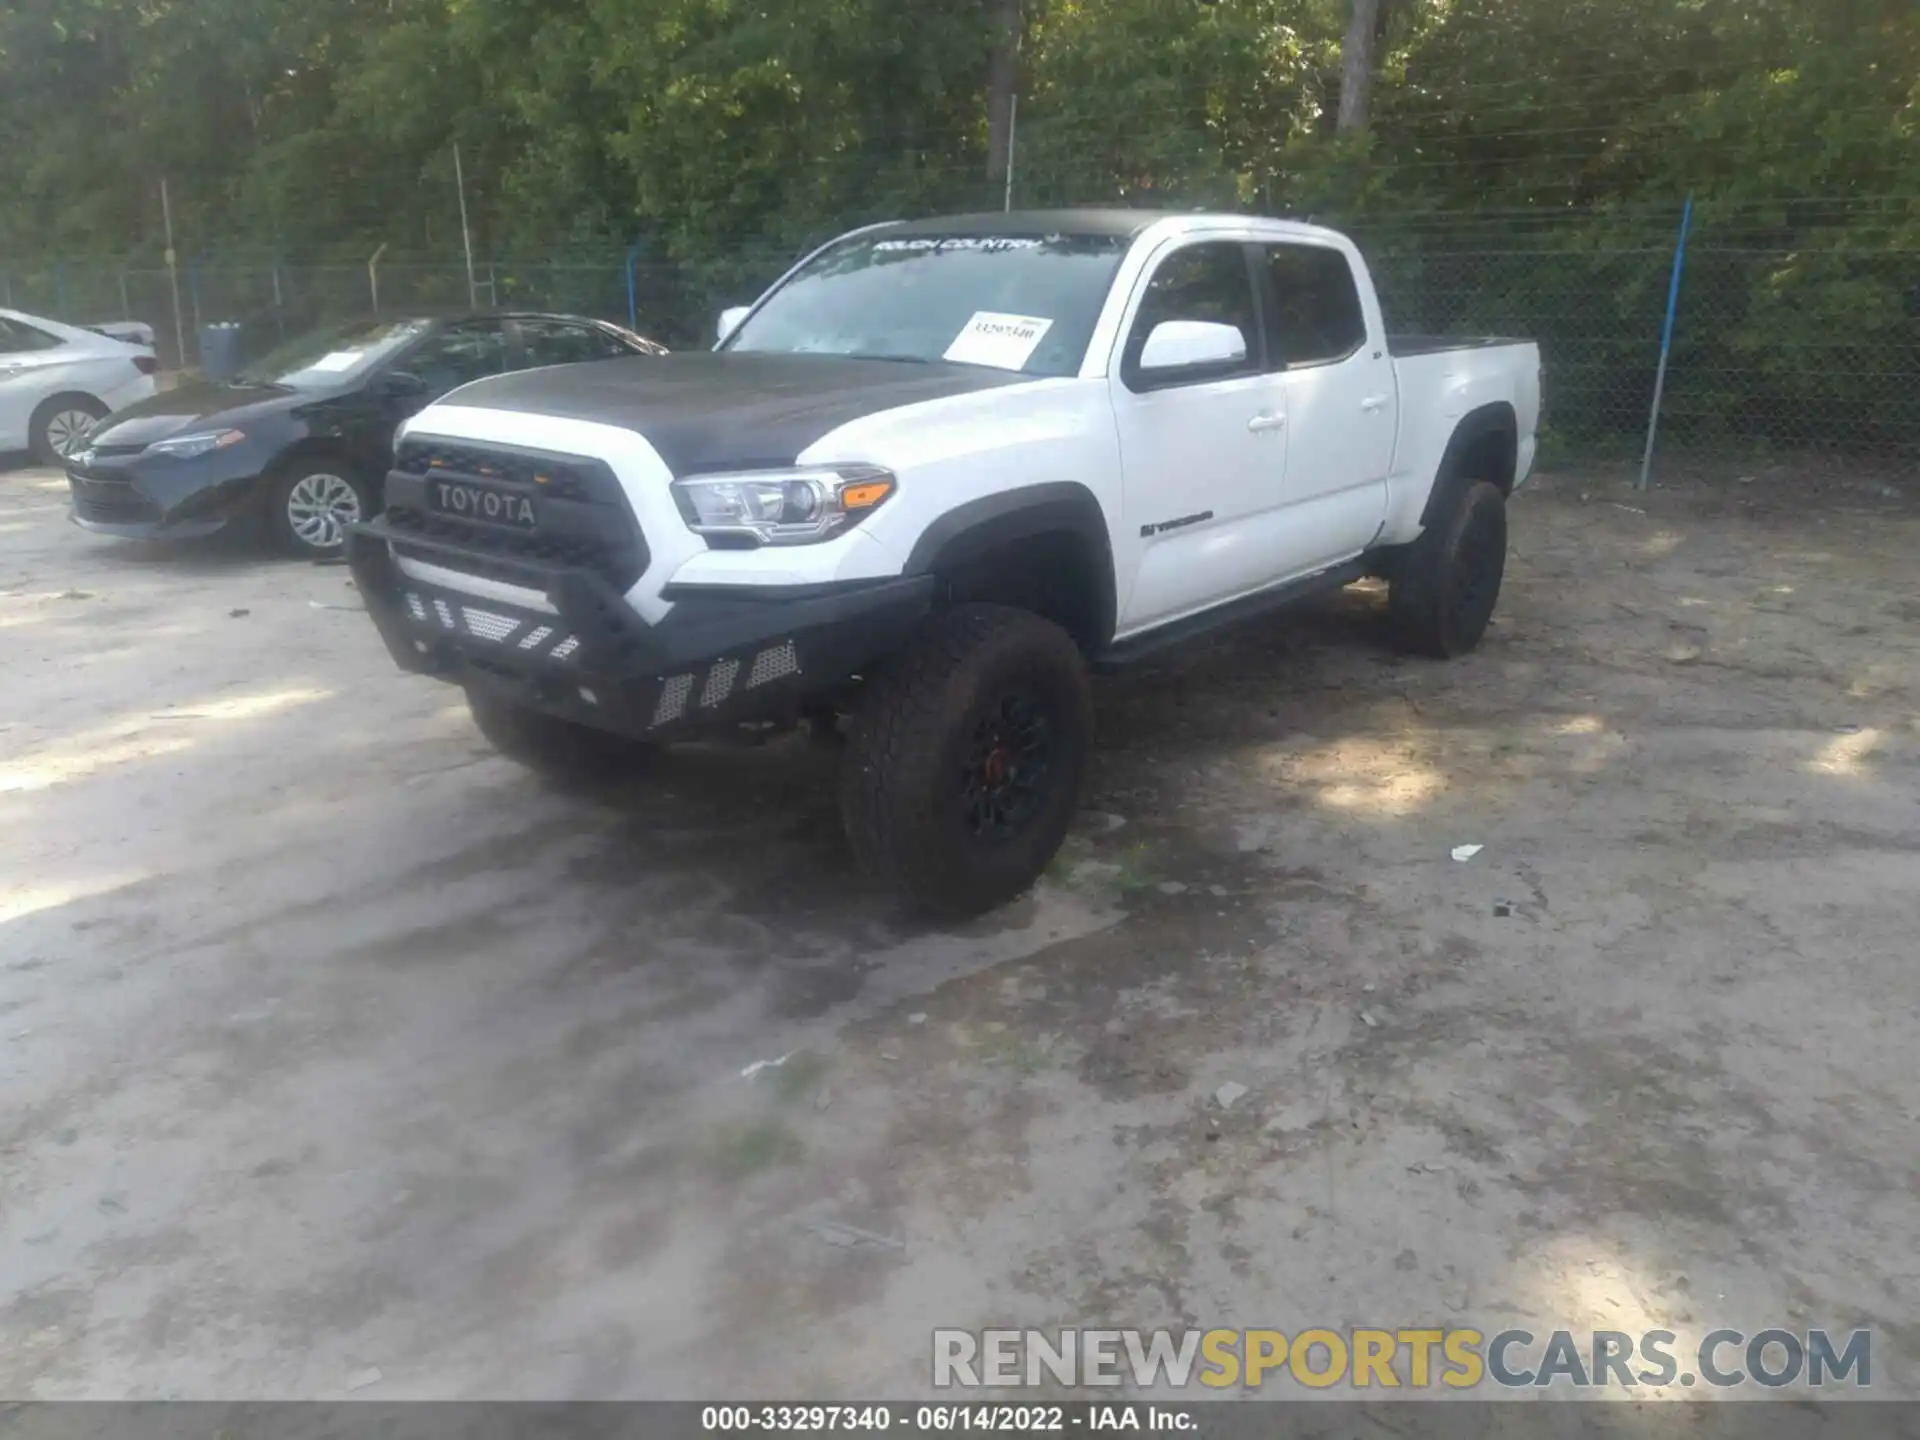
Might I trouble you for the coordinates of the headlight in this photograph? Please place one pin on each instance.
(782, 507)
(185, 447)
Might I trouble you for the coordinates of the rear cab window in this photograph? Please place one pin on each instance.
(1313, 312)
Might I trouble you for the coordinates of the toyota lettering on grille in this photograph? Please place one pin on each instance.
(482, 502)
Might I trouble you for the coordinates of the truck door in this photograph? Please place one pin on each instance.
(1203, 449)
(1341, 401)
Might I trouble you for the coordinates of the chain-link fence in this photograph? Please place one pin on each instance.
(1794, 333)
(1787, 339)
(674, 302)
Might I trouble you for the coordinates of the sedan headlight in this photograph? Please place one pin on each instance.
(782, 507)
(185, 447)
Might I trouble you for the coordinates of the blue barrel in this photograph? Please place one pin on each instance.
(220, 350)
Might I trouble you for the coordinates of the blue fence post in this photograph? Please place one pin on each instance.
(1666, 341)
(633, 287)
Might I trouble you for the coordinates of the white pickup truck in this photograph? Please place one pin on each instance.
(932, 475)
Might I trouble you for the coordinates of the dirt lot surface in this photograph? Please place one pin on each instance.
(334, 1045)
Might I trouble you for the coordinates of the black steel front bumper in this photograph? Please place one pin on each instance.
(722, 656)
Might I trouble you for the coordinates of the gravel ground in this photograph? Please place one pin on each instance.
(334, 1045)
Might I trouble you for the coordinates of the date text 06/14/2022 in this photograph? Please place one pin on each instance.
(1001, 1419)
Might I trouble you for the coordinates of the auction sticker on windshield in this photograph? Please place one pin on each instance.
(1003, 341)
(339, 360)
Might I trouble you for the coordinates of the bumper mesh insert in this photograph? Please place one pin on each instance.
(673, 699)
(719, 683)
(775, 664)
(487, 625)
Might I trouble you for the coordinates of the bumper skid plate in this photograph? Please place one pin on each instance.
(716, 660)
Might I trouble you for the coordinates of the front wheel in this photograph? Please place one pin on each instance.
(1445, 584)
(560, 750)
(311, 504)
(965, 757)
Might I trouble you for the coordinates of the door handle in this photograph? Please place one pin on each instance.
(1267, 420)
(1373, 404)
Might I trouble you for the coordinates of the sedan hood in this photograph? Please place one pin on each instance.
(195, 407)
(728, 411)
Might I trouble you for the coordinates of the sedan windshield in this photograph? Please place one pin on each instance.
(332, 355)
(1014, 302)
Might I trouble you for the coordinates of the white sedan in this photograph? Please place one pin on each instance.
(57, 381)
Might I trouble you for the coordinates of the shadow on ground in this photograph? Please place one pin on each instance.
(338, 1045)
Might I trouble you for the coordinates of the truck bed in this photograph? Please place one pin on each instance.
(1404, 346)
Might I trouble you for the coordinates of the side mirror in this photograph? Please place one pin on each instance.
(1184, 344)
(730, 319)
(399, 385)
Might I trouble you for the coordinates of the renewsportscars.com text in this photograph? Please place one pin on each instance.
(1411, 1358)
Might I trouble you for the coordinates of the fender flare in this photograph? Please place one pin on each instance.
(1497, 418)
(971, 530)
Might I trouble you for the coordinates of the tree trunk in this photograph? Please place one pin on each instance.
(1003, 83)
(1356, 66)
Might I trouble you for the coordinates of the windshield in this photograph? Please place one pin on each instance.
(1014, 302)
(332, 355)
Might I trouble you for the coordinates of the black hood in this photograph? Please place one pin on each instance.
(709, 411)
(195, 407)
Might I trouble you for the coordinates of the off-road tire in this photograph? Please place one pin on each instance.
(563, 751)
(1442, 588)
(909, 793)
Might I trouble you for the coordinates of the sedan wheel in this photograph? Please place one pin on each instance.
(59, 429)
(67, 431)
(319, 507)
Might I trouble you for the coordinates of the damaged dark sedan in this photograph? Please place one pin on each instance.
(300, 440)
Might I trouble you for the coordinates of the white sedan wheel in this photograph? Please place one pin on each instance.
(67, 431)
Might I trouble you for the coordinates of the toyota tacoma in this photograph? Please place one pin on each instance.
(934, 474)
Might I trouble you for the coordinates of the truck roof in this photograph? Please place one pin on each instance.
(1117, 222)
(1089, 221)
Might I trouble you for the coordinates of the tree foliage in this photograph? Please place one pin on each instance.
(695, 124)
(718, 136)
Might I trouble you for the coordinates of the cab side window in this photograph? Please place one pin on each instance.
(1313, 309)
(1209, 282)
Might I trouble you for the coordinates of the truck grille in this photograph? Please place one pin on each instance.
(565, 477)
(582, 517)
